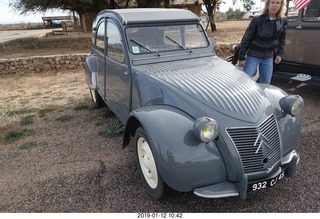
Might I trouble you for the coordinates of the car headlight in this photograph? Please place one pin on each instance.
(292, 104)
(205, 129)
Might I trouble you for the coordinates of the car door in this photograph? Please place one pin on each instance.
(100, 54)
(303, 34)
(118, 78)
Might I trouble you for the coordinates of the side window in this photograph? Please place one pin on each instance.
(293, 12)
(115, 47)
(100, 37)
(311, 13)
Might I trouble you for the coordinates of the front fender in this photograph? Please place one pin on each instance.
(183, 161)
(274, 94)
(289, 126)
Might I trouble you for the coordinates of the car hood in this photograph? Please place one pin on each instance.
(203, 86)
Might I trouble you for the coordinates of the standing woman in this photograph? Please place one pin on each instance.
(264, 38)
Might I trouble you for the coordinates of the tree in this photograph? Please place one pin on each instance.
(247, 4)
(152, 3)
(82, 6)
(211, 7)
(231, 14)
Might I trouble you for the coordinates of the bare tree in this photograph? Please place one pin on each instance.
(210, 7)
(94, 6)
(81, 6)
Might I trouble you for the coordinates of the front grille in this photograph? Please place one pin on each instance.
(258, 146)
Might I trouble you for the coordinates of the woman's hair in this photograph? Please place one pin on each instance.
(281, 11)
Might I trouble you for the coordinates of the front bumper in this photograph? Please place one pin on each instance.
(227, 188)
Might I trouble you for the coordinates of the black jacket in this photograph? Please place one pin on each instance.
(263, 37)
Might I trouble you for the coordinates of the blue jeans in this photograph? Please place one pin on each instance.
(265, 68)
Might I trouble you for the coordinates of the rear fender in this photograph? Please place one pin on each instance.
(183, 161)
(91, 71)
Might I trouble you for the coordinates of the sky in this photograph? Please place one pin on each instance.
(9, 16)
(238, 5)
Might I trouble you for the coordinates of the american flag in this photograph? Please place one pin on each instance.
(300, 4)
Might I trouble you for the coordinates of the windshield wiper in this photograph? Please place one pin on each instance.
(143, 46)
(174, 41)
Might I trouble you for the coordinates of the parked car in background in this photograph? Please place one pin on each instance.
(254, 15)
(247, 15)
(254, 12)
(301, 59)
(198, 123)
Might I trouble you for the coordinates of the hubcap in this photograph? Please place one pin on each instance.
(147, 163)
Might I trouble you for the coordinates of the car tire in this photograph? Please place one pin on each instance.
(147, 167)
(96, 98)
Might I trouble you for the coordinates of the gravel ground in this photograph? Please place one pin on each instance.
(71, 168)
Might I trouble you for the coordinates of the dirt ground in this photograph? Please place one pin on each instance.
(229, 32)
(55, 155)
(46, 165)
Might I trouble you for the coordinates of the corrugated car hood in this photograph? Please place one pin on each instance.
(193, 85)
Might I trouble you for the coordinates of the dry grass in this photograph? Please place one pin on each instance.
(51, 45)
(21, 26)
(50, 138)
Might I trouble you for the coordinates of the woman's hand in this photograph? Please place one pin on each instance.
(242, 63)
(277, 60)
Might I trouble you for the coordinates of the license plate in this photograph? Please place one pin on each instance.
(263, 184)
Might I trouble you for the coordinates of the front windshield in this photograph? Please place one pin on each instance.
(165, 38)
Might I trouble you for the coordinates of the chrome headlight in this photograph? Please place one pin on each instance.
(292, 104)
(205, 129)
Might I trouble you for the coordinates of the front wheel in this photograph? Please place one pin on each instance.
(96, 98)
(148, 171)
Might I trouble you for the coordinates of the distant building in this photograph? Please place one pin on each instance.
(192, 5)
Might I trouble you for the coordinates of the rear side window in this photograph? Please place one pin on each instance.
(100, 37)
(311, 13)
(293, 12)
(115, 47)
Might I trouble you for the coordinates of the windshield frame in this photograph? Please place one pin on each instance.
(155, 38)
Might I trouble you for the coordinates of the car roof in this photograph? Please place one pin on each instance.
(149, 15)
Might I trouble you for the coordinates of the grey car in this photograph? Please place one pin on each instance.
(198, 123)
